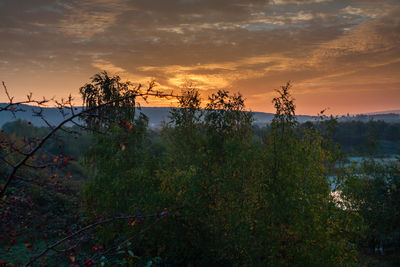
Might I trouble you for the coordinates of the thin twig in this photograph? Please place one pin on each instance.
(90, 226)
(28, 155)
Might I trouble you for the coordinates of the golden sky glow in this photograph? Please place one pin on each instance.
(341, 55)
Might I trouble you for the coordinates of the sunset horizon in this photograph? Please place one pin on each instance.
(343, 56)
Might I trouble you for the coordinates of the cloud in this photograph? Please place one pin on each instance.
(102, 64)
(298, 2)
(84, 19)
(222, 74)
(375, 36)
(367, 11)
(353, 11)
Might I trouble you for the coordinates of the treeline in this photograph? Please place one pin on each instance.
(358, 138)
(75, 144)
(373, 137)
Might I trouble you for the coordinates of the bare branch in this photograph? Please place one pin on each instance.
(90, 226)
(84, 112)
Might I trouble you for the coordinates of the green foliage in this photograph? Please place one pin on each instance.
(113, 99)
(23, 128)
(208, 180)
(39, 203)
(120, 162)
(373, 189)
(368, 138)
(63, 143)
(231, 199)
(296, 220)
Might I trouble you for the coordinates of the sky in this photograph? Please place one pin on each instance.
(339, 55)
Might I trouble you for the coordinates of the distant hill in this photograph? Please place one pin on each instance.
(158, 114)
(387, 117)
(155, 114)
(397, 111)
(52, 115)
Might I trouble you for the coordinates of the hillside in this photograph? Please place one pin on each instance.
(158, 114)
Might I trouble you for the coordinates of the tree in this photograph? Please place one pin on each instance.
(372, 139)
(31, 172)
(208, 159)
(238, 200)
(372, 189)
(295, 215)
